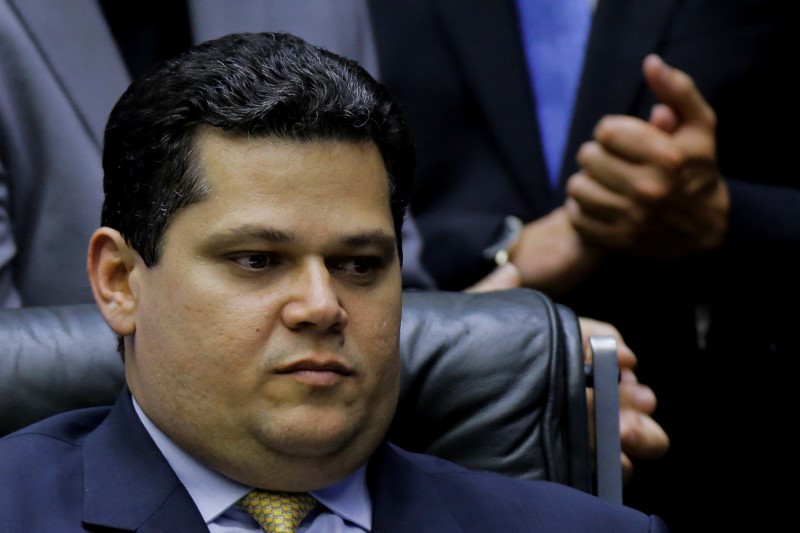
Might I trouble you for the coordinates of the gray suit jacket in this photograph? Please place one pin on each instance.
(60, 75)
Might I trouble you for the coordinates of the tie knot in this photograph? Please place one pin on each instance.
(277, 512)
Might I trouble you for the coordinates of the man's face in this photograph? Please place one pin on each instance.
(266, 337)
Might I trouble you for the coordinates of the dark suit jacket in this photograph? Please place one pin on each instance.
(458, 69)
(99, 468)
(60, 75)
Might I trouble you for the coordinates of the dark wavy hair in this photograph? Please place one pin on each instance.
(253, 84)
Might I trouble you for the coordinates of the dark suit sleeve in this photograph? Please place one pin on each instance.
(766, 213)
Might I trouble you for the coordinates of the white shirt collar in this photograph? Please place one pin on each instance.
(214, 493)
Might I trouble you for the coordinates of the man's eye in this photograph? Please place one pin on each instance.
(358, 265)
(363, 265)
(254, 261)
(355, 266)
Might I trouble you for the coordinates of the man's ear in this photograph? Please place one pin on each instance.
(110, 265)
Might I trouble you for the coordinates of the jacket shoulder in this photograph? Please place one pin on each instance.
(48, 442)
(502, 503)
(42, 467)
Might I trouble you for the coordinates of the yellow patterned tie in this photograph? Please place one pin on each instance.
(278, 512)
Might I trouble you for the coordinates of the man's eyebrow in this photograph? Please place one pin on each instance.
(378, 238)
(385, 241)
(251, 232)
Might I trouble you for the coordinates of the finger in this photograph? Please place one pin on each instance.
(610, 234)
(634, 395)
(641, 181)
(664, 118)
(637, 141)
(594, 230)
(677, 89)
(625, 356)
(505, 276)
(641, 436)
(591, 327)
(627, 468)
(596, 199)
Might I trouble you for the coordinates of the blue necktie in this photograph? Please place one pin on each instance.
(554, 33)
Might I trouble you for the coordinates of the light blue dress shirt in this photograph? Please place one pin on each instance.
(555, 34)
(346, 506)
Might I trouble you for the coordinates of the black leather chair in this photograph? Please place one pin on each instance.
(494, 381)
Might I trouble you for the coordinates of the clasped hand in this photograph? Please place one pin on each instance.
(652, 188)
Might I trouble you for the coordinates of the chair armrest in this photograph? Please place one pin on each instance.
(605, 382)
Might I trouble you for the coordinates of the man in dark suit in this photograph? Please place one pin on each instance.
(249, 259)
(55, 98)
(702, 301)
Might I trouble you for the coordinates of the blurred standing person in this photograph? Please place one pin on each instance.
(697, 282)
(63, 65)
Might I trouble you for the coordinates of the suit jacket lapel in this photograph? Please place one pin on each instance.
(483, 37)
(76, 42)
(623, 32)
(129, 485)
(404, 498)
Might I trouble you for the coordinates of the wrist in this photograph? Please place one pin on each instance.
(499, 251)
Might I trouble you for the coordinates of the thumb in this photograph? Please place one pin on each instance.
(677, 90)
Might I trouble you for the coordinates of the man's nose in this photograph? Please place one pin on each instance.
(314, 302)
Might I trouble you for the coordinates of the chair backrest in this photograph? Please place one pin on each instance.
(53, 359)
(494, 381)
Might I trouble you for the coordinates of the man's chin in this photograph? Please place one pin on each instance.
(326, 432)
(312, 430)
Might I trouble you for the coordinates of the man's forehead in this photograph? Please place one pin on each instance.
(217, 151)
(286, 190)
